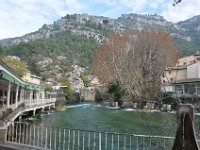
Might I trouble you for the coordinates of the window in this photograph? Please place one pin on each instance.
(179, 89)
(198, 89)
(190, 89)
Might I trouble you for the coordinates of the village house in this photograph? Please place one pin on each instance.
(183, 80)
(32, 78)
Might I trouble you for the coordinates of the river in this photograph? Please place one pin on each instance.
(99, 118)
(115, 129)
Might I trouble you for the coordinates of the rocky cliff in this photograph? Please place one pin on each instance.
(54, 49)
(98, 27)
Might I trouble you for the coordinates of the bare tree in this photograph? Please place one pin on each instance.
(137, 59)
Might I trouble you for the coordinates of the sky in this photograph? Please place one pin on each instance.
(19, 17)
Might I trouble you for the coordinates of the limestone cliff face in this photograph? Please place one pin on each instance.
(97, 27)
(56, 61)
(84, 24)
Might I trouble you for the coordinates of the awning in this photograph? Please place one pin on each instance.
(8, 77)
(32, 87)
(26, 85)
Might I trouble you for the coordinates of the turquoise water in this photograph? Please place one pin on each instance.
(46, 133)
(98, 118)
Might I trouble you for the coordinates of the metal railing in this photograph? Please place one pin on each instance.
(47, 137)
(39, 102)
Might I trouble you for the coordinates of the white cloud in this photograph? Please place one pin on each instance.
(23, 16)
(183, 11)
(136, 6)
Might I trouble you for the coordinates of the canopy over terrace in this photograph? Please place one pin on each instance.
(14, 91)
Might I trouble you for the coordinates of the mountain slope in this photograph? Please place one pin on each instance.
(73, 39)
(53, 57)
(99, 27)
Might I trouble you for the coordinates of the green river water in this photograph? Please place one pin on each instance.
(99, 118)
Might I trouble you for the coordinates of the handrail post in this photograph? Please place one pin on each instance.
(99, 140)
(6, 134)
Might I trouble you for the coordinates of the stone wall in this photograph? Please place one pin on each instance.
(87, 94)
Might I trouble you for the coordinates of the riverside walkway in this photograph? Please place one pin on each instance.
(17, 113)
(19, 97)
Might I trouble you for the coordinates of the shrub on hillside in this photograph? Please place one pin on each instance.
(98, 96)
(74, 98)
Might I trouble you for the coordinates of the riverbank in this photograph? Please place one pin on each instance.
(87, 104)
(110, 107)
